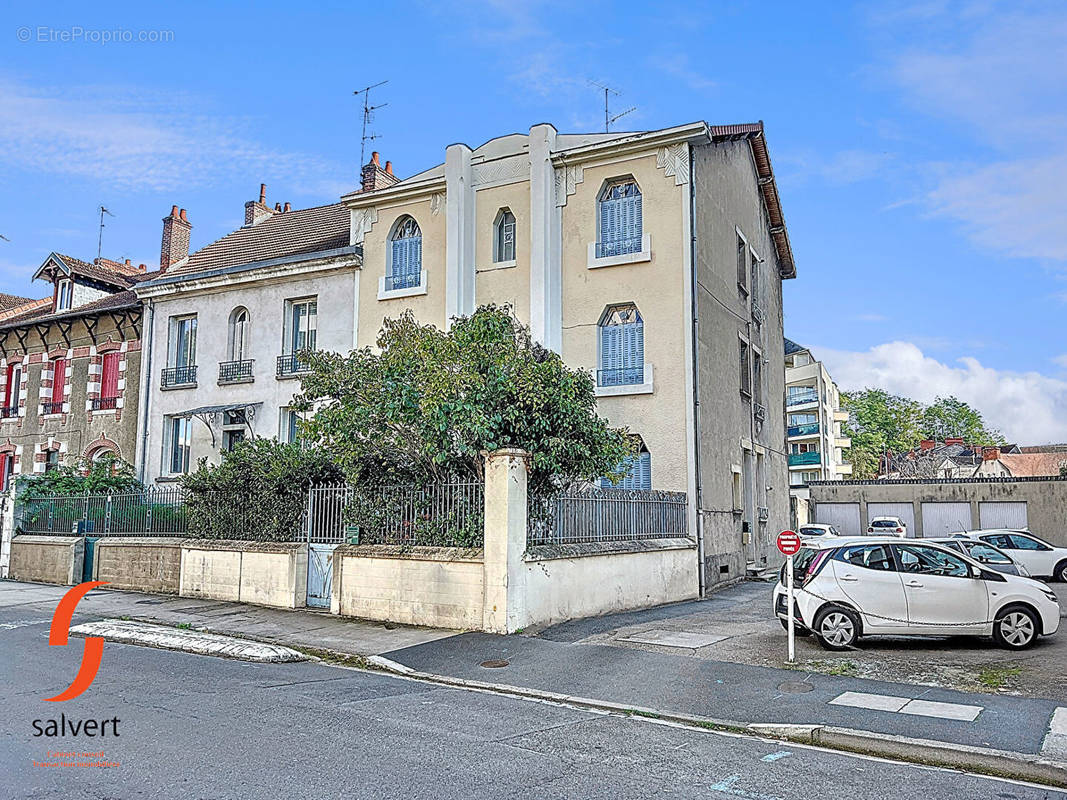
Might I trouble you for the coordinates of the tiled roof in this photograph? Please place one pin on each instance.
(104, 270)
(40, 311)
(792, 347)
(286, 233)
(35, 306)
(11, 301)
(1026, 465)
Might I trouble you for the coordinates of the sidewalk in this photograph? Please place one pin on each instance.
(669, 684)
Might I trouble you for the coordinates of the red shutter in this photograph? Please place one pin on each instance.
(3, 471)
(109, 379)
(59, 379)
(12, 398)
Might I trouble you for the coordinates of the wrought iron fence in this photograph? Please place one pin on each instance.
(607, 515)
(9, 412)
(105, 403)
(618, 247)
(152, 512)
(291, 364)
(52, 407)
(232, 371)
(438, 515)
(179, 376)
(403, 280)
(624, 376)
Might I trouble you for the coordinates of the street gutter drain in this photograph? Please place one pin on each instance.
(795, 687)
(495, 663)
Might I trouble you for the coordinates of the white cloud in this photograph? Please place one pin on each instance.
(840, 168)
(679, 67)
(996, 71)
(1026, 407)
(1061, 360)
(133, 142)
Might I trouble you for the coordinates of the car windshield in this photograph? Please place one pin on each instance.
(985, 553)
(885, 523)
(808, 530)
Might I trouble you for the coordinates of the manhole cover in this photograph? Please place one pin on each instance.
(495, 663)
(795, 687)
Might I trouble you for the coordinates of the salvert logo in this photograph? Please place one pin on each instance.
(59, 634)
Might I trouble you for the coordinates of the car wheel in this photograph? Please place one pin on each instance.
(797, 628)
(1060, 573)
(1016, 628)
(837, 628)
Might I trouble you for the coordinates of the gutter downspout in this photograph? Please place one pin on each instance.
(701, 581)
(146, 384)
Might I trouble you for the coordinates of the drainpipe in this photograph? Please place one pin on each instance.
(146, 383)
(699, 499)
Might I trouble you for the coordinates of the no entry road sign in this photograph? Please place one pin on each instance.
(788, 543)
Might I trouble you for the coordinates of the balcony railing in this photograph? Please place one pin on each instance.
(51, 407)
(235, 371)
(807, 429)
(618, 247)
(291, 364)
(759, 413)
(802, 397)
(179, 376)
(408, 280)
(805, 459)
(9, 412)
(757, 313)
(105, 403)
(621, 377)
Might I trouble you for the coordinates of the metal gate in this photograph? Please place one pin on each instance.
(1002, 515)
(943, 519)
(906, 511)
(843, 516)
(89, 554)
(325, 531)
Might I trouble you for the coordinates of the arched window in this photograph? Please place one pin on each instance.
(621, 359)
(240, 344)
(636, 469)
(619, 219)
(504, 236)
(405, 255)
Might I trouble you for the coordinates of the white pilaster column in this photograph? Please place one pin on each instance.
(459, 232)
(546, 285)
(504, 573)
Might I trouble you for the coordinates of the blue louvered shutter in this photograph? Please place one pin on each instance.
(609, 225)
(397, 266)
(630, 218)
(610, 355)
(643, 478)
(414, 260)
(633, 353)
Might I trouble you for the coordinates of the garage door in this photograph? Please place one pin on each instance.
(843, 516)
(941, 519)
(906, 511)
(1002, 515)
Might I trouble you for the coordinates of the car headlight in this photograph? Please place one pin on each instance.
(1050, 595)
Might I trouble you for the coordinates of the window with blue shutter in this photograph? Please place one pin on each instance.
(637, 472)
(622, 347)
(619, 220)
(405, 256)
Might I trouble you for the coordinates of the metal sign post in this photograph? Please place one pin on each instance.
(789, 545)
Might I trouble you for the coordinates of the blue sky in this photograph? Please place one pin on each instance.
(920, 148)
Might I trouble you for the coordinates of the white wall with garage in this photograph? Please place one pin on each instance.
(1002, 515)
(843, 516)
(906, 511)
(943, 519)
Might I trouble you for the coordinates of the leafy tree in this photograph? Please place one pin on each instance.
(107, 474)
(258, 491)
(878, 421)
(427, 404)
(950, 417)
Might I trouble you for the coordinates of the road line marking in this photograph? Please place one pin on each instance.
(772, 757)
(21, 623)
(873, 702)
(1055, 743)
(930, 708)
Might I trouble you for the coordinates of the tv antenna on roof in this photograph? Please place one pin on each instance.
(100, 237)
(368, 112)
(608, 118)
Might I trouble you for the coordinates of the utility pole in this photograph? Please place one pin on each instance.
(368, 111)
(100, 236)
(608, 118)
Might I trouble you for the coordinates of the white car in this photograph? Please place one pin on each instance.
(887, 526)
(816, 530)
(1041, 559)
(850, 587)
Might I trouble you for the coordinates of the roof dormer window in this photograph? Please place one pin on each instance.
(64, 294)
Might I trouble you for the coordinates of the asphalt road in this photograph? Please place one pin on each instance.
(199, 727)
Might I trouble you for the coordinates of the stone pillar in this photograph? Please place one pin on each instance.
(545, 242)
(7, 528)
(504, 608)
(459, 232)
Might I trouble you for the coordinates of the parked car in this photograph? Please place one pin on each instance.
(850, 587)
(887, 526)
(1041, 559)
(984, 553)
(816, 529)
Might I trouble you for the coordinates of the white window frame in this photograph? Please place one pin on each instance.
(64, 294)
(288, 343)
(408, 291)
(169, 443)
(501, 258)
(644, 254)
(239, 333)
(174, 326)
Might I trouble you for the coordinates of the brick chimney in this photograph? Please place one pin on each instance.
(955, 440)
(257, 210)
(375, 177)
(927, 444)
(175, 246)
(990, 453)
